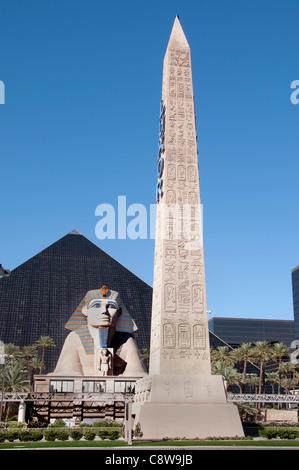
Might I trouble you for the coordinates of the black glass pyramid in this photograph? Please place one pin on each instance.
(40, 295)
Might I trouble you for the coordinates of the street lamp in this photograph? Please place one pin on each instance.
(4, 358)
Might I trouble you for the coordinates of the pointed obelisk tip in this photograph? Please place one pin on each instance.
(177, 37)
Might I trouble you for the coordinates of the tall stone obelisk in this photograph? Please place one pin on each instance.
(180, 397)
(179, 330)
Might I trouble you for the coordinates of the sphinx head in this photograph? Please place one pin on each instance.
(102, 313)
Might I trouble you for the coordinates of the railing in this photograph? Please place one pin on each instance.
(129, 397)
(82, 397)
(266, 398)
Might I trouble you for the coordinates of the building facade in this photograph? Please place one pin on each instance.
(295, 289)
(235, 331)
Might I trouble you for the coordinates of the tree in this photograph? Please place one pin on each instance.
(15, 380)
(250, 380)
(254, 382)
(241, 355)
(295, 380)
(262, 353)
(247, 411)
(273, 378)
(12, 350)
(28, 353)
(222, 353)
(280, 351)
(229, 373)
(44, 342)
(35, 364)
(287, 367)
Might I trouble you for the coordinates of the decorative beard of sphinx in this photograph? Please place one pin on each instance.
(104, 336)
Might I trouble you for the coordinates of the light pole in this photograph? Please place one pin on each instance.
(4, 357)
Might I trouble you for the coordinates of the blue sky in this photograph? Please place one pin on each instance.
(80, 124)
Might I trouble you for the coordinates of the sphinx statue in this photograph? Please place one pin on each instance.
(101, 339)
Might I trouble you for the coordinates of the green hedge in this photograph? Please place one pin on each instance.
(52, 434)
(89, 435)
(21, 435)
(114, 435)
(279, 433)
(76, 434)
(62, 435)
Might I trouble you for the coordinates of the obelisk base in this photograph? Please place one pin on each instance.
(177, 406)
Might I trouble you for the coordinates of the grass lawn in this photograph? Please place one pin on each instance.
(176, 443)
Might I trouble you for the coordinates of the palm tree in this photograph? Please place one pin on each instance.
(218, 368)
(237, 379)
(241, 355)
(247, 411)
(29, 352)
(287, 367)
(15, 380)
(261, 353)
(273, 378)
(222, 353)
(44, 342)
(35, 364)
(251, 381)
(12, 350)
(255, 380)
(295, 380)
(280, 351)
(229, 373)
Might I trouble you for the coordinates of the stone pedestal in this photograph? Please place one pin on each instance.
(187, 406)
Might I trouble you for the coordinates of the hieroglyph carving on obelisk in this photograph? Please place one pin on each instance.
(179, 331)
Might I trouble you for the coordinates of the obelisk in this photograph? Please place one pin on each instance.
(179, 330)
(180, 397)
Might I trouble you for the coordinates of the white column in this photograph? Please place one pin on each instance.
(21, 412)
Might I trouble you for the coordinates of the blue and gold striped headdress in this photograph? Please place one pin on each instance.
(78, 321)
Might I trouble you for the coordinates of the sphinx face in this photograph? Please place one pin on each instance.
(101, 313)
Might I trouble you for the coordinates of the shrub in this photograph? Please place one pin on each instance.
(36, 435)
(114, 424)
(50, 434)
(100, 424)
(268, 433)
(281, 433)
(16, 425)
(294, 433)
(137, 431)
(76, 434)
(2, 436)
(12, 418)
(12, 435)
(103, 433)
(287, 433)
(62, 435)
(89, 435)
(114, 434)
(24, 436)
(58, 423)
